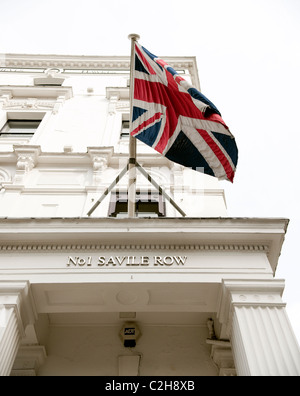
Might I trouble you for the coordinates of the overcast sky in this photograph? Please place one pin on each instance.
(248, 55)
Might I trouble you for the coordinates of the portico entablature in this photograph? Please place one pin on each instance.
(218, 245)
(213, 248)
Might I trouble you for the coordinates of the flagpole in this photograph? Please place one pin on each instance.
(132, 140)
(132, 165)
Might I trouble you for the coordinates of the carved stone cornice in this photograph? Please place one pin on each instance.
(28, 104)
(88, 65)
(92, 247)
(34, 98)
(256, 235)
(18, 92)
(78, 62)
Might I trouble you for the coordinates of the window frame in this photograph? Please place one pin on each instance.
(19, 130)
(143, 198)
(125, 119)
(25, 116)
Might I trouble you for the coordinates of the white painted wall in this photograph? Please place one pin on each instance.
(94, 351)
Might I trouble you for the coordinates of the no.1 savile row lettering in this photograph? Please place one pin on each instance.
(126, 261)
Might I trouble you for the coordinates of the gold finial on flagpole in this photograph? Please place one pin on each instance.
(134, 36)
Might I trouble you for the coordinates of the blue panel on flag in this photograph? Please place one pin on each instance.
(139, 66)
(172, 71)
(152, 57)
(228, 143)
(137, 112)
(199, 96)
(185, 153)
(149, 135)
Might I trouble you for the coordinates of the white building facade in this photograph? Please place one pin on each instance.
(107, 295)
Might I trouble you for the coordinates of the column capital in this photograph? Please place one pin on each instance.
(243, 293)
(17, 295)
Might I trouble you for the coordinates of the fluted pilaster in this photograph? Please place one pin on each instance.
(9, 339)
(16, 312)
(263, 342)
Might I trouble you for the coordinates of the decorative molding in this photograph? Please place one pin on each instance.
(25, 163)
(247, 293)
(22, 98)
(46, 190)
(29, 104)
(264, 236)
(10, 334)
(117, 93)
(27, 157)
(17, 294)
(118, 98)
(27, 152)
(99, 163)
(5, 176)
(99, 166)
(100, 158)
(78, 62)
(87, 65)
(222, 357)
(18, 92)
(104, 152)
(17, 310)
(123, 106)
(51, 78)
(28, 361)
(92, 247)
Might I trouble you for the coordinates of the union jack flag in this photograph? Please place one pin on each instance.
(178, 121)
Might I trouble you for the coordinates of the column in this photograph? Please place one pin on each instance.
(253, 316)
(16, 312)
(9, 339)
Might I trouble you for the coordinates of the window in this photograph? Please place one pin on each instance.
(18, 128)
(148, 204)
(125, 126)
(18, 131)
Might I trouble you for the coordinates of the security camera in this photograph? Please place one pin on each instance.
(129, 334)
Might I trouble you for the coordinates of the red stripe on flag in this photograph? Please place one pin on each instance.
(161, 62)
(151, 120)
(144, 60)
(218, 153)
